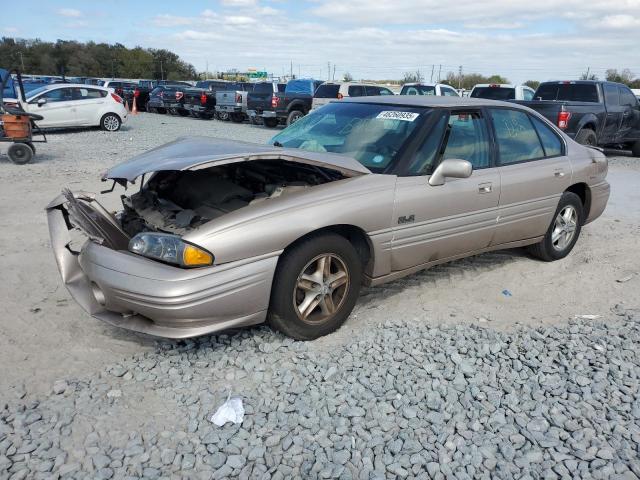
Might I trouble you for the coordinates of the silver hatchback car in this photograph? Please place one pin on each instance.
(221, 234)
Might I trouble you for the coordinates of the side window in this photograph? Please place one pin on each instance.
(527, 94)
(516, 137)
(372, 90)
(87, 93)
(411, 91)
(449, 92)
(466, 138)
(550, 141)
(385, 91)
(627, 98)
(58, 95)
(356, 91)
(611, 96)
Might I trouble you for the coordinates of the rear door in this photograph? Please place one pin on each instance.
(613, 119)
(630, 126)
(439, 222)
(534, 171)
(87, 103)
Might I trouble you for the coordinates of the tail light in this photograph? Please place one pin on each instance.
(238, 98)
(161, 94)
(136, 93)
(203, 98)
(275, 101)
(117, 98)
(563, 119)
(340, 96)
(179, 95)
(494, 85)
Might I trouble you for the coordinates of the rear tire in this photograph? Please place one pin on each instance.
(564, 230)
(635, 149)
(237, 117)
(586, 136)
(20, 153)
(110, 122)
(270, 122)
(322, 273)
(294, 116)
(161, 110)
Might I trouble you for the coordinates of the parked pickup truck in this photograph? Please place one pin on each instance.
(591, 112)
(263, 94)
(200, 101)
(288, 106)
(232, 103)
(502, 91)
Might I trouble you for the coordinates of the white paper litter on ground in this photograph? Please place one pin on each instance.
(230, 411)
(588, 317)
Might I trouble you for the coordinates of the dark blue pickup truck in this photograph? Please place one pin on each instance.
(591, 112)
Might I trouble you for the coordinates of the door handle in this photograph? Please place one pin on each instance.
(559, 173)
(485, 188)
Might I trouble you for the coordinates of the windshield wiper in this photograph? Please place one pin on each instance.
(277, 144)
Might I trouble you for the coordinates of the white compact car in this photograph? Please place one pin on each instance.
(65, 105)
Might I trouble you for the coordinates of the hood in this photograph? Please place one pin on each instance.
(194, 153)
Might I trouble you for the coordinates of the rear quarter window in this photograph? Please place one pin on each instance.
(517, 139)
(550, 141)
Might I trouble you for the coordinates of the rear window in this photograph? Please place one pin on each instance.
(329, 90)
(282, 87)
(571, 92)
(418, 90)
(263, 88)
(494, 93)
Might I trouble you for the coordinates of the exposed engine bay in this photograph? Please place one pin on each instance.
(176, 201)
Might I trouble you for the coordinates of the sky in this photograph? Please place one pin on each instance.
(370, 39)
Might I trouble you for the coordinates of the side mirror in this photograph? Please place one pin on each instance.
(451, 168)
(41, 101)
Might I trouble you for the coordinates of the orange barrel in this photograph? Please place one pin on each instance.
(16, 126)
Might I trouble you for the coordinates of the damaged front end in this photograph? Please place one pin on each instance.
(135, 270)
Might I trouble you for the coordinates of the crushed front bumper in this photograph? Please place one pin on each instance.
(133, 292)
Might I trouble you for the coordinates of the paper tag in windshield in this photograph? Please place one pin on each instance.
(395, 115)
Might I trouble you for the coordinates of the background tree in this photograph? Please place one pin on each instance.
(625, 76)
(468, 80)
(347, 77)
(92, 59)
(412, 77)
(532, 83)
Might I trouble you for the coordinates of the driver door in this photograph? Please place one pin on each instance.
(439, 222)
(58, 110)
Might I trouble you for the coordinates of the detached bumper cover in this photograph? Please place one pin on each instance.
(142, 295)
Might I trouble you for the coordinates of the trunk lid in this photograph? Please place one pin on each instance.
(195, 153)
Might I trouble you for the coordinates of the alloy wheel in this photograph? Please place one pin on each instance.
(564, 228)
(321, 288)
(111, 123)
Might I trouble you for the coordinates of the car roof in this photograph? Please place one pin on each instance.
(424, 84)
(53, 86)
(430, 101)
(501, 85)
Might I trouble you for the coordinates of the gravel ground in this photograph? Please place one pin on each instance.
(397, 402)
(438, 375)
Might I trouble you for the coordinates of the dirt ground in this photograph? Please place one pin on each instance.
(45, 336)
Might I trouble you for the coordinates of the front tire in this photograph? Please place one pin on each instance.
(110, 122)
(315, 288)
(564, 230)
(20, 153)
(586, 136)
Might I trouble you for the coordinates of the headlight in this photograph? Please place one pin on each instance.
(170, 249)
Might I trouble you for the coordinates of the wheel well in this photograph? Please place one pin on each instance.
(297, 106)
(589, 126)
(584, 192)
(355, 235)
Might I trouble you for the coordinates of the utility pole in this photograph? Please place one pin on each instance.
(161, 71)
(291, 70)
(328, 70)
(333, 76)
(113, 70)
(459, 77)
(206, 71)
(588, 69)
(433, 67)
(21, 61)
(439, 70)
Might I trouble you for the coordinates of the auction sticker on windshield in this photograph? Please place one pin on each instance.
(392, 115)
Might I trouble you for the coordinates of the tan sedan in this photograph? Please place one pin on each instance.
(221, 234)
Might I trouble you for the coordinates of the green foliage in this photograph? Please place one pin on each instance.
(625, 76)
(587, 76)
(92, 59)
(347, 77)
(469, 80)
(532, 83)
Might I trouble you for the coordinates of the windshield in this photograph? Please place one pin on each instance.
(494, 93)
(372, 134)
(36, 92)
(418, 90)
